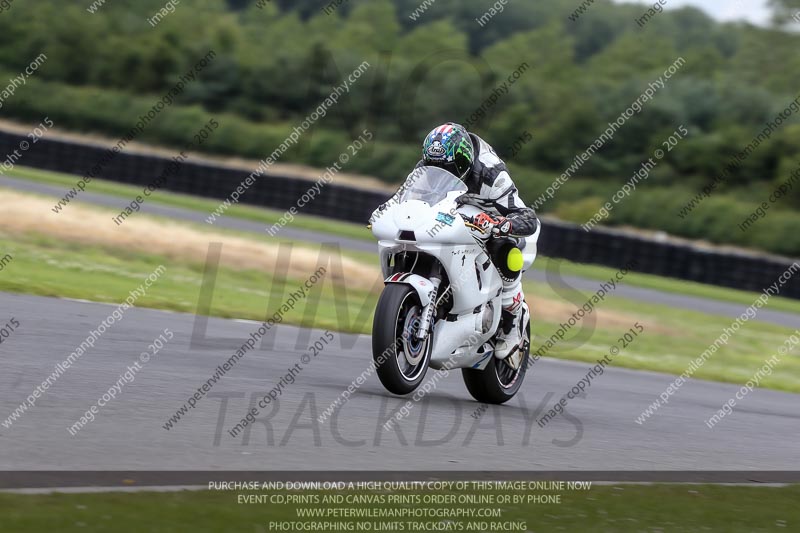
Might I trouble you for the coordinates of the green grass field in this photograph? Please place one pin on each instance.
(603, 508)
(357, 231)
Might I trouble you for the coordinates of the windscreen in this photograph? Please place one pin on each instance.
(429, 185)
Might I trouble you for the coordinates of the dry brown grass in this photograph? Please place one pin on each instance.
(28, 214)
(561, 311)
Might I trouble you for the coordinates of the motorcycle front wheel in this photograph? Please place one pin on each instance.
(401, 359)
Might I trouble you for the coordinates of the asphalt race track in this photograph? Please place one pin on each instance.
(440, 433)
(680, 301)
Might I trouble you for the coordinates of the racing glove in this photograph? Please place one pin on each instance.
(502, 227)
(493, 227)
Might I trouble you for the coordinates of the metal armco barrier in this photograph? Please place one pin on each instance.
(603, 246)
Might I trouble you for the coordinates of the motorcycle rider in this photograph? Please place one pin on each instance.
(452, 148)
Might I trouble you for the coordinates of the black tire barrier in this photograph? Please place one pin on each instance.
(603, 246)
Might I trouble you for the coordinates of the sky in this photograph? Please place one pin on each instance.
(755, 11)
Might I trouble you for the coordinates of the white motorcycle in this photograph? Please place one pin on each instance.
(441, 305)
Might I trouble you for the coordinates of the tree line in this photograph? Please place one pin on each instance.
(277, 61)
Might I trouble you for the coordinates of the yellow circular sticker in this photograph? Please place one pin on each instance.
(514, 260)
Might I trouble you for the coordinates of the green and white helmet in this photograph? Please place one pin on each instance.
(449, 147)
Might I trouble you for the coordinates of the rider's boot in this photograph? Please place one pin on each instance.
(511, 335)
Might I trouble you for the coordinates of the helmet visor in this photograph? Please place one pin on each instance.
(449, 166)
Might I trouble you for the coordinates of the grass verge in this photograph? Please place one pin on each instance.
(268, 217)
(602, 508)
(47, 267)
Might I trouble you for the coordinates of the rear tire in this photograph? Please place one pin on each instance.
(498, 382)
(400, 358)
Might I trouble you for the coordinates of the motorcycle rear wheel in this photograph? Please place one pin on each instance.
(498, 382)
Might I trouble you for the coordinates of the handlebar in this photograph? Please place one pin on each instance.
(469, 224)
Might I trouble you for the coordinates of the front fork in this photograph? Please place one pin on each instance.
(429, 310)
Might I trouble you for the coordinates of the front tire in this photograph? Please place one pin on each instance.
(400, 358)
(498, 382)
